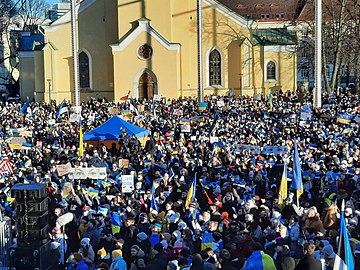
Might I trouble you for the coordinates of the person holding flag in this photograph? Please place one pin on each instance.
(344, 259)
(297, 176)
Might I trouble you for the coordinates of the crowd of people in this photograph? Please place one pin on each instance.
(234, 220)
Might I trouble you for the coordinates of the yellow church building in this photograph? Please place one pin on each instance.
(149, 47)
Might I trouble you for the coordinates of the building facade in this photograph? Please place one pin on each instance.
(149, 47)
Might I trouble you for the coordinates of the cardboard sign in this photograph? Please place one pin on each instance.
(25, 133)
(92, 173)
(124, 163)
(63, 169)
(127, 183)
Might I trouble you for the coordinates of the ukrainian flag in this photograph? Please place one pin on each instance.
(283, 185)
(26, 181)
(191, 193)
(266, 116)
(116, 223)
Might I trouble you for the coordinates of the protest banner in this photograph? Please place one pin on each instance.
(242, 148)
(63, 169)
(157, 97)
(127, 183)
(275, 150)
(344, 118)
(76, 109)
(124, 163)
(92, 173)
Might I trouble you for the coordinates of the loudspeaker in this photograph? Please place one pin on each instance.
(32, 206)
(32, 222)
(26, 258)
(22, 192)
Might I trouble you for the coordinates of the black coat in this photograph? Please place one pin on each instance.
(308, 262)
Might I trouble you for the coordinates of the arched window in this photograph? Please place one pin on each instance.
(84, 70)
(215, 67)
(271, 71)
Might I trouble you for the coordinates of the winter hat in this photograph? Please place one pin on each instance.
(141, 236)
(328, 252)
(102, 252)
(116, 253)
(177, 234)
(349, 210)
(85, 241)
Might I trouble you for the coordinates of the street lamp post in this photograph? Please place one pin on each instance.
(240, 86)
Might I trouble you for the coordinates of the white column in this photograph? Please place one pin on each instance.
(75, 53)
(318, 54)
(200, 51)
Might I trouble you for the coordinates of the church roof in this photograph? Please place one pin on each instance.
(274, 36)
(266, 10)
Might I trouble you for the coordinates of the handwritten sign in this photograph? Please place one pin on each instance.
(92, 173)
(63, 169)
(127, 183)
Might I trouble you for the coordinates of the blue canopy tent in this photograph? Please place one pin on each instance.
(111, 130)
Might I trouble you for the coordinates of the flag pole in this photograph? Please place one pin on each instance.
(74, 44)
(200, 51)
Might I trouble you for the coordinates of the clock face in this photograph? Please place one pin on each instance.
(145, 51)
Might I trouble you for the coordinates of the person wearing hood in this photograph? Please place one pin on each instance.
(137, 258)
(160, 260)
(92, 232)
(282, 258)
(87, 252)
(118, 262)
(144, 244)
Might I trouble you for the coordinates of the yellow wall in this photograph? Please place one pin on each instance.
(128, 67)
(98, 28)
(105, 22)
(58, 64)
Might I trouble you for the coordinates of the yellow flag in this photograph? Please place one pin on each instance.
(283, 185)
(81, 143)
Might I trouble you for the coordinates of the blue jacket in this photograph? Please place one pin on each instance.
(80, 266)
(118, 264)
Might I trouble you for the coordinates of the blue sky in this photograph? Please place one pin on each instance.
(52, 1)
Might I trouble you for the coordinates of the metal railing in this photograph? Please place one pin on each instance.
(5, 243)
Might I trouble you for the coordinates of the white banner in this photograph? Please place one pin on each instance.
(275, 150)
(92, 173)
(253, 149)
(127, 183)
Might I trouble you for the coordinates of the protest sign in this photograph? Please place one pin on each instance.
(124, 163)
(202, 106)
(157, 97)
(114, 111)
(274, 150)
(17, 142)
(63, 169)
(185, 128)
(127, 183)
(92, 173)
(220, 103)
(74, 117)
(178, 112)
(242, 148)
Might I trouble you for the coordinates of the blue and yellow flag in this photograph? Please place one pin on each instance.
(116, 223)
(191, 193)
(283, 185)
(297, 180)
